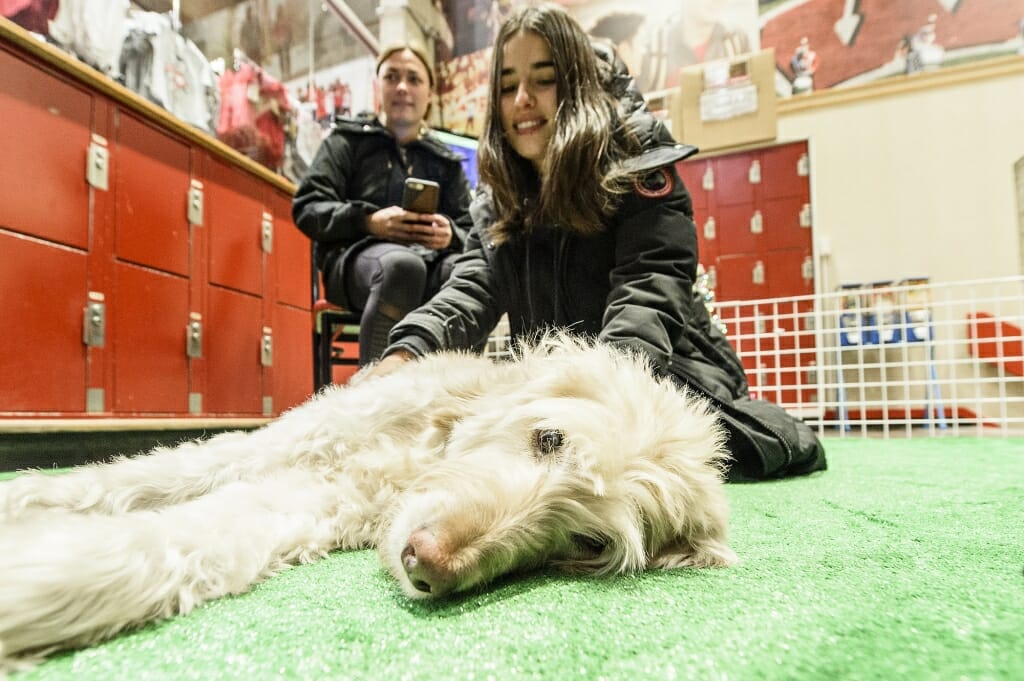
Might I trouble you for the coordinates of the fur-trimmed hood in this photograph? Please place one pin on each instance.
(659, 147)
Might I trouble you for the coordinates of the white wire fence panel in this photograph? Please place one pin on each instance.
(906, 360)
(498, 343)
(909, 360)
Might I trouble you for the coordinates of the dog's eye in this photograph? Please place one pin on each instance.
(547, 441)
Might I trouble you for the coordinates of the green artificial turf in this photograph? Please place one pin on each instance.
(903, 561)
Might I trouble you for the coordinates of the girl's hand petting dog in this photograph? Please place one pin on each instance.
(384, 367)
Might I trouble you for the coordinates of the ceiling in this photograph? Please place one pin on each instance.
(192, 10)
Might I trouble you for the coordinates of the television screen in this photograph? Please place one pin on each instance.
(466, 146)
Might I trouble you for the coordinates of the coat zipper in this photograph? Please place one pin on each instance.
(561, 274)
(527, 284)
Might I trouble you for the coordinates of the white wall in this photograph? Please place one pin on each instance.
(915, 178)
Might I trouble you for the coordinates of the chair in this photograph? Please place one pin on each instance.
(335, 336)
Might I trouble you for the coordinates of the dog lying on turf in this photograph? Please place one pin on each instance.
(457, 468)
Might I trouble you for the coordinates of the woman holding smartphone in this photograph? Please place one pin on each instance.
(377, 257)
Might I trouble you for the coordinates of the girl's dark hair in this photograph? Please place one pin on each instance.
(584, 182)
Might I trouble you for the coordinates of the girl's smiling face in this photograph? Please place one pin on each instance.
(529, 96)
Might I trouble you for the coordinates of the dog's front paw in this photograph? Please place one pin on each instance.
(698, 555)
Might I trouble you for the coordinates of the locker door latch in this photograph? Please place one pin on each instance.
(267, 232)
(195, 203)
(757, 274)
(756, 223)
(755, 172)
(807, 268)
(710, 229)
(803, 166)
(194, 337)
(267, 347)
(97, 164)
(94, 321)
(708, 181)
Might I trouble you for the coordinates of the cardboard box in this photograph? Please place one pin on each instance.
(716, 107)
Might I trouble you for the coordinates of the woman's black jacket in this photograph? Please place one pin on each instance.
(630, 286)
(359, 169)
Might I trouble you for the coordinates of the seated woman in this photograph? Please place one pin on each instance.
(376, 257)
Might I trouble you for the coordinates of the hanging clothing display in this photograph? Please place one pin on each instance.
(253, 109)
(33, 15)
(92, 30)
(168, 69)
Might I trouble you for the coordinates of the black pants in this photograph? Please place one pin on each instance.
(386, 281)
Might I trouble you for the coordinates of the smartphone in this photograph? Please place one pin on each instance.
(420, 196)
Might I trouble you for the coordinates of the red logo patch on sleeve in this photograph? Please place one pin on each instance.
(655, 184)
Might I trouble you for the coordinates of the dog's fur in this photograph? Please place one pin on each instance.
(458, 469)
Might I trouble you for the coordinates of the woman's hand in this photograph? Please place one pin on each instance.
(439, 234)
(384, 367)
(403, 227)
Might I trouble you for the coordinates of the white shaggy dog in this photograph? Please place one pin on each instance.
(458, 469)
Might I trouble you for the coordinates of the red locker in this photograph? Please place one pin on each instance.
(772, 274)
(760, 200)
(290, 264)
(291, 374)
(785, 170)
(47, 125)
(740, 228)
(789, 272)
(234, 338)
(692, 172)
(152, 226)
(234, 220)
(735, 176)
(786, 222)
(149, 325)
(42, 359)
(742, 277)
(708, 241)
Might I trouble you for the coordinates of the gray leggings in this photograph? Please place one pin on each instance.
(388, 281)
